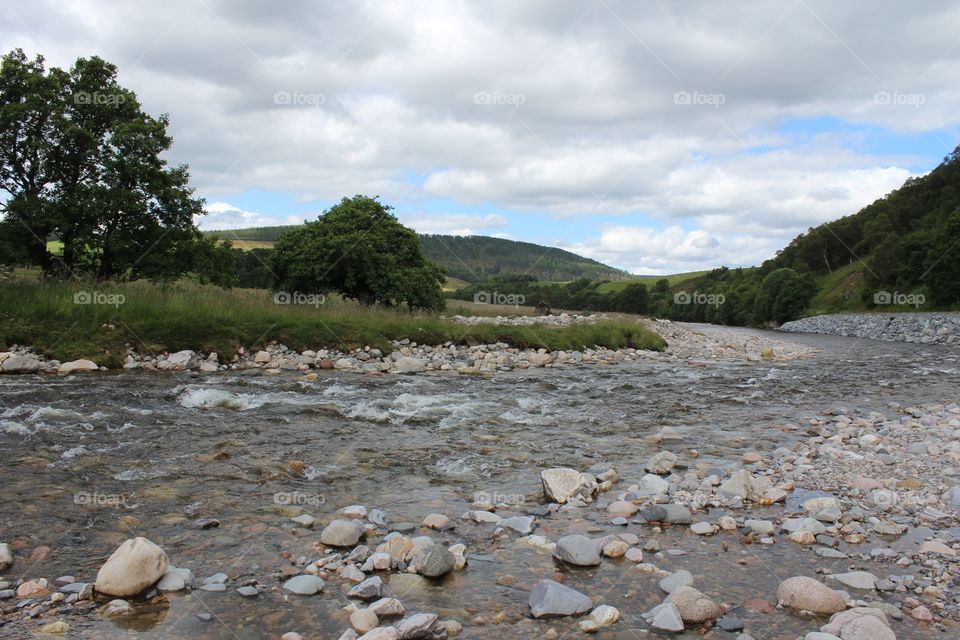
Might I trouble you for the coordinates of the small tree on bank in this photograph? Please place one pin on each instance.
(359, 249)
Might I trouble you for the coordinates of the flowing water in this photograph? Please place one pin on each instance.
(88, 461)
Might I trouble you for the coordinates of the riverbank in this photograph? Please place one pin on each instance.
(683, 343)
(923, 328)
(109, 324)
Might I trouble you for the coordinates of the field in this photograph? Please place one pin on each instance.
(96, 321)
(673, 279)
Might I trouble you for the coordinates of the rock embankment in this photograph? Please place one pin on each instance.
(924, 328)
(409, 357)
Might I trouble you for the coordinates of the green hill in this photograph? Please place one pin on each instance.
(471, 258)
(907, 242)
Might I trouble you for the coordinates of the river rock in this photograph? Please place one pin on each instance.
(175, 579)
(304, 585)
(937, 547)
(674, 581)
(387, 607)
(135, 565)
(118, 607)
(577, 550)
(860, 623)
(792, 525)
(6, 557)
(560, 484)
(693, 605)
(665, 617)
(605, 615)
(409, 364)
(661, 463)
(862, 580)
(808, 594)
(436, 521)
(380, 633)
(521, 524)
(20, 364)
(369, 589)
(342, 533)
(434, 562)
(760, 527)
(179, 361)
(703, 528)
(77, 365)
(364, 620)
(549, 598)
(653, 484)
(417, 626)
(739, 485)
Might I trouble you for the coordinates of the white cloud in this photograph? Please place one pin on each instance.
(223, 215)
(454, 224)
(588, 123)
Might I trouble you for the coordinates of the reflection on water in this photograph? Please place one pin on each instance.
(91, 460)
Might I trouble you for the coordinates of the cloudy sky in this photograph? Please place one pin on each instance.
(655, 136)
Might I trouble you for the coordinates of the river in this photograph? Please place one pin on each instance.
(90, 460)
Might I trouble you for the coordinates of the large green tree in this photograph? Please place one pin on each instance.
(81, 161)
(359, 249)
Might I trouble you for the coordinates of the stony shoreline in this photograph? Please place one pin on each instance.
(923, 328)
(408, 357)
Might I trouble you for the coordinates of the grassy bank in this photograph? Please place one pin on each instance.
(74, 320)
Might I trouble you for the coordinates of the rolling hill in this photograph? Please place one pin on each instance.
(471, 258)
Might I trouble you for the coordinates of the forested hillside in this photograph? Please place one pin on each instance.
(475, 258)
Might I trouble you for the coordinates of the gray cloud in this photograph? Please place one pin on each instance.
(666, 109)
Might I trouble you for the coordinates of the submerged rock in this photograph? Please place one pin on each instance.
(549, 598)
(304, 585)
(665, 617)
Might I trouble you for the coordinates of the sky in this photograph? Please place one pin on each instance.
(657, 137)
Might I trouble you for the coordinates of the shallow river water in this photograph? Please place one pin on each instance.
(88, 461)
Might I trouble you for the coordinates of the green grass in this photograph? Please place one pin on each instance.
(43, 315)
(673, 279)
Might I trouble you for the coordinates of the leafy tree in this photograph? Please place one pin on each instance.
(633, 299)
(82, 161)
(358, 249)
(784, 295)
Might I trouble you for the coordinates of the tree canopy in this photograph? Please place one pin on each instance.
(359, 249)
(81, 162)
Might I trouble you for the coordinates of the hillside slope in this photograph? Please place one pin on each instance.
(907, 242)
(471, 258)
